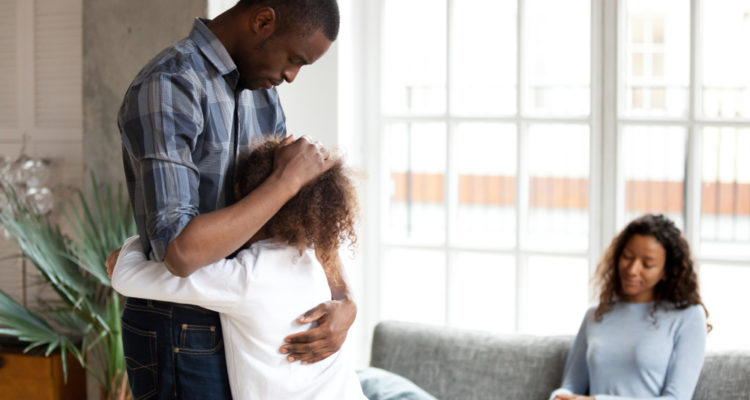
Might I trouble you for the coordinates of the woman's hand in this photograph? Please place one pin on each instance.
(572, 397)
(334, 319)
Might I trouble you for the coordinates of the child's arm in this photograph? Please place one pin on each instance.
(218, 286)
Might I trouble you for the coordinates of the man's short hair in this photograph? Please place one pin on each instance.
(303, 16)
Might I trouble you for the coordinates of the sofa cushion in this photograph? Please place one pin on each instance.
(379, 384)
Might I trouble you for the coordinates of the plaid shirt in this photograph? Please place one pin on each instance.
(183, 122)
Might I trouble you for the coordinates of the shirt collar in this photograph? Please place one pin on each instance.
(211, 47)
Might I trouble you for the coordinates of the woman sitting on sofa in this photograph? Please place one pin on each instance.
(646, 338)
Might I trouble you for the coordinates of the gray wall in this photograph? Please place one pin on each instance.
(119, 37)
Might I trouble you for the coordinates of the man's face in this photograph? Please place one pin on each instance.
(278, 58)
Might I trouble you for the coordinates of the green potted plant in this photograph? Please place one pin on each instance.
(83, 321)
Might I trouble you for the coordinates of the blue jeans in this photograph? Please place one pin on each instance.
(173, 351)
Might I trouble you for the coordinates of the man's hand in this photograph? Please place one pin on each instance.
(299, 161)
(334, 319)
(111, 261)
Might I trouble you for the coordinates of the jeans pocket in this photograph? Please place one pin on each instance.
(202, 375)
(140, 361)
(198, 338)
(201, 366)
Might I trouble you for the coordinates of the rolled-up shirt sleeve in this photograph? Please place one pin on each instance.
(160, 123)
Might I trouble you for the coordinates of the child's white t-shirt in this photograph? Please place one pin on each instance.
(260, 294)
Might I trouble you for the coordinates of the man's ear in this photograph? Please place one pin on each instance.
(263, 22)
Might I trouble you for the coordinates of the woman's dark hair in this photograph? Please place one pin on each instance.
(680, 284)
(303, 16)
(321, 215)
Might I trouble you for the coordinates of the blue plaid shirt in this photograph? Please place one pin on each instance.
(183, 122)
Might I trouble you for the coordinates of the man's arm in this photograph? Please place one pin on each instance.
(161, 121)
(210, 237)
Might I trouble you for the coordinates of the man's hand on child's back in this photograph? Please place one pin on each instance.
(333, 321)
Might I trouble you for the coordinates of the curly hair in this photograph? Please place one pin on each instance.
(322, 215)
(680, 284)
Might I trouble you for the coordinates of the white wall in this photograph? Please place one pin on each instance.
(311, 101)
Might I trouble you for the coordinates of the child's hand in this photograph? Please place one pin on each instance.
(111, 261)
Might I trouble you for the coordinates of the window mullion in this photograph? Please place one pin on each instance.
(693, 157)
(450, 187)
(521, 175)
(611, 185)
(377, 189)
(596, 138)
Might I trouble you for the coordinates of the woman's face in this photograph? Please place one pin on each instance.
(641, 267)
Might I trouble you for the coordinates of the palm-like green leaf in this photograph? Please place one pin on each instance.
(27, 327)
(44, 244)
(87, 311)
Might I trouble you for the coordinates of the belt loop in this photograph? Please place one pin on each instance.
(149, 303)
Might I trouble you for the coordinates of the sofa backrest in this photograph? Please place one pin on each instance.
(465, 365)
(456, 364)
(725, 375)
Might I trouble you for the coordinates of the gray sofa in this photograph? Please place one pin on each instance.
(455, 364)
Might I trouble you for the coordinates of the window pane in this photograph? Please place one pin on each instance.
(726, 61)
(558, 294)
(483, 292)
(557, 65)
(486, 165)
(413, 286)
(725, 197)
(558, 187)
(656, 58)
(654, 171)
(724, 291)
(413, 60)
(483, 77)
(416, 157)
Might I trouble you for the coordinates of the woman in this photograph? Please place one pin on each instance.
(283, 271)
(646, 338)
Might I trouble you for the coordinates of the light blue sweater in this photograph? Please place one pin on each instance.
(628, 355)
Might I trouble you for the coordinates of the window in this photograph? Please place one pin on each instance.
(487, 189)
(41, 102)
(513, 142)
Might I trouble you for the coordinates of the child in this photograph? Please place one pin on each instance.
(283, 271)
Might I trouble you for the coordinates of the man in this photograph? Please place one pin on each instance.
(183, 121)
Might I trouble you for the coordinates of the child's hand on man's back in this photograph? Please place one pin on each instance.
(111, 261)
